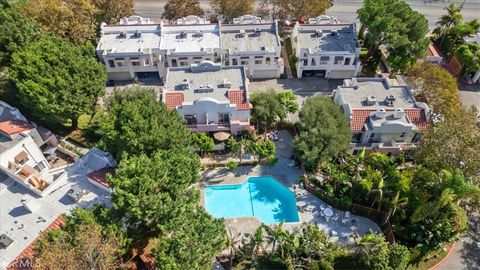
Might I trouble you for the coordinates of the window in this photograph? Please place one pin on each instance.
(356, 137)
(135, 61)
(146, 62)
(372, 135)
(39, 167)
(305, 62)
(191, 119)
(338, 60)
(111, 63)
(174, 62)
(223, 118)
(227, 63)
(258, 62)
(244, 63)
(258, 57)
(402, 135)
(183, 63)
(234, 62)
(347, 61)
(184, 58)
(416, 138)
(268, 60)
(197, 58)
(314, 62)
(119, 62)
(324, 60)
(208, 59)
(245, 57)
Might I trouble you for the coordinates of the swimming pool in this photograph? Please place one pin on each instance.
(261, 197)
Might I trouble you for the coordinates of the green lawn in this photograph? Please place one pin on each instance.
(431, 260)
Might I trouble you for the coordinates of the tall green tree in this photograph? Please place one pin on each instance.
(394, 24)
(288, 104)
(373, 251)
(452, 18)
(469, 55)
(453, 143)
(265, 149)
(437, 87)
(202, 141)
(229, 9)
(265, 110)
(56, 79)
(324, 132)
(111, 11)
(136, 122)
(175, 9)
(303, 8)
(16, 31)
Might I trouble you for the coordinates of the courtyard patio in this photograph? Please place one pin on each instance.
(341, 226)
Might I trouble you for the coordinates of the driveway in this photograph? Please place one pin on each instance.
(470, 95)
(466, 253)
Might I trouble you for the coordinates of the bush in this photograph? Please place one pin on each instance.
(271, 160)
(345, 201)
(231, 165)
(399, 257)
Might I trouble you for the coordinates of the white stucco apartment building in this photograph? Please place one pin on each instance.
(209, 97)
(326, 48)
(383, 115)
(136, 48)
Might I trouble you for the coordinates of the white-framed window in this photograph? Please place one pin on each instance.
(223, 118)
(324, 60)
(40, 166)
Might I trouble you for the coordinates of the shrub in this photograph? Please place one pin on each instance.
(231, 165)
(271, 160)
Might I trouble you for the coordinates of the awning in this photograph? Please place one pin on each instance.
(221, 135)
(20, 157)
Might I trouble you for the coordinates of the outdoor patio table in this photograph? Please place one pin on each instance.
(328, 212)
(353, 228)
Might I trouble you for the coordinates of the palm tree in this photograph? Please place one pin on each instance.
(452, 18)
(257, 242)
(275, 234)
(432, 209)
(233, 241)
(379, 194)
(395, 205)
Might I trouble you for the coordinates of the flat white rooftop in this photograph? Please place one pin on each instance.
(190, 38)
(24, 226)
(206, 74)
(130, 38)
(356, 91)
(333, 37)
(245, 38)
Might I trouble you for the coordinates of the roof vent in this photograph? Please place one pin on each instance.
(380, 113)
(391, 97)
(184, 85)
(122, 35)
(183, 34)
(398, 113)
(198, 34)
(226, 83)
(258, 30)
(389, 102)
(241, 34)
(5, 241)
(318, 33)
(334, 33)
(137, 34)
(75, 193)
(371, 100)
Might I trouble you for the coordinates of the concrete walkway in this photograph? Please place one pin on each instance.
(338, 227)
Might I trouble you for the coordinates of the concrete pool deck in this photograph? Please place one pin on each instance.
(310, 208)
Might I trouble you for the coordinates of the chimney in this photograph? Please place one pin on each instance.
(398, 113)
(380, 113)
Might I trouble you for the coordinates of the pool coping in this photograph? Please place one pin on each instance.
(202, 194)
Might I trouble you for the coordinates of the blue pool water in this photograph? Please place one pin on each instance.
(260, 197)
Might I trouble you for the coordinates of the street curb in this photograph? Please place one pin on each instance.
(444, 258)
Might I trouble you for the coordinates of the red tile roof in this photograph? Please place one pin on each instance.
(434, 51)
(172, 100)
(14, 126)
(24, 260)
(415, 115)
(238, 98)
(100, 176)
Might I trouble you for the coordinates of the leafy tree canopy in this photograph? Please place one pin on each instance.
(288, 104)
(202, 141)
(453, 143)
(151, 193)
(16, 31)
(229, 9)
(324, 132)
(175, 9)
(56, 79)
(437, 87)
(294, 10)
(469, 55)
(135, 122)
(265, 148)
(111, 11)
(80, 243)
(394, 24)
(265, 110)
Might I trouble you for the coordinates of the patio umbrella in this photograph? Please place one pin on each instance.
(221, 136)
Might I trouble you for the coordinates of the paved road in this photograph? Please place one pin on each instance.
(345, 10)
